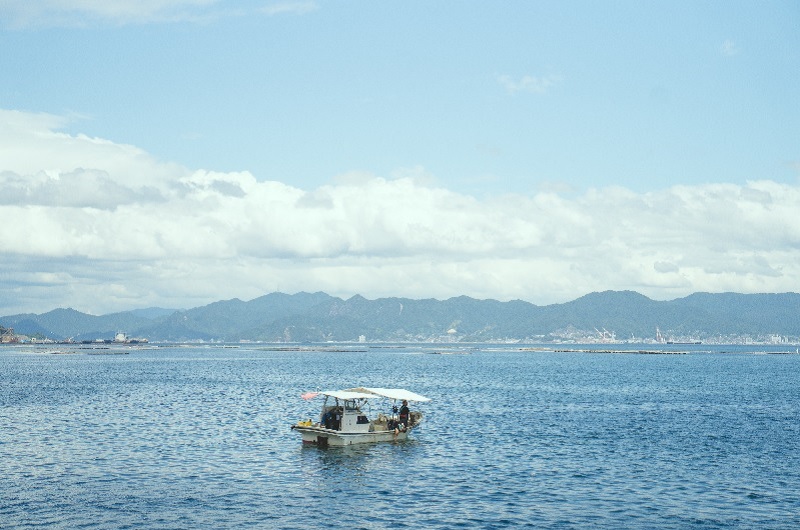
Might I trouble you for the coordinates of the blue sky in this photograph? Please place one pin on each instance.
(422, 149)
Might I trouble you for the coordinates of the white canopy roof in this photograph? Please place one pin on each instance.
(391, 393)
(347, 394)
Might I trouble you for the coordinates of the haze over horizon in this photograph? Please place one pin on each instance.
(179, 152)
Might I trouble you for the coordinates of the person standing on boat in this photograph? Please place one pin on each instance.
(404, 413)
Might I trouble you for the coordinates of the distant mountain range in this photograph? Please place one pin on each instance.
(307, 317)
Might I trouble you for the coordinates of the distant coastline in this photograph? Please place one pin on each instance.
(610, 318)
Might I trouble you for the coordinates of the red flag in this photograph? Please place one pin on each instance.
(309, 395)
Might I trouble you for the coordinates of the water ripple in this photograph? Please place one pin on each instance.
(186, 438)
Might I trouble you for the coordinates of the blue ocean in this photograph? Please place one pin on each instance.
(514, 437)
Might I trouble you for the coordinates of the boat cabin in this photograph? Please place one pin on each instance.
(344, 415)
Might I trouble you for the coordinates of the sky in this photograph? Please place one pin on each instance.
(173, 153)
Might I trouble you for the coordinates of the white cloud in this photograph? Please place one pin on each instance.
(22, 13)
(728, 48)
(79, 13)
(529, 83)
(294, 8)
(102, 227)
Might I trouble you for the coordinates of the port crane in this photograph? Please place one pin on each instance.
(606, 335)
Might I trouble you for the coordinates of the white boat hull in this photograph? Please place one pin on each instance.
(323, 437)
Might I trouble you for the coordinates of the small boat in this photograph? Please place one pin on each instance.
(344, 419)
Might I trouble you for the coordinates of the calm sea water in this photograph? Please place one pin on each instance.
(199, 437)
